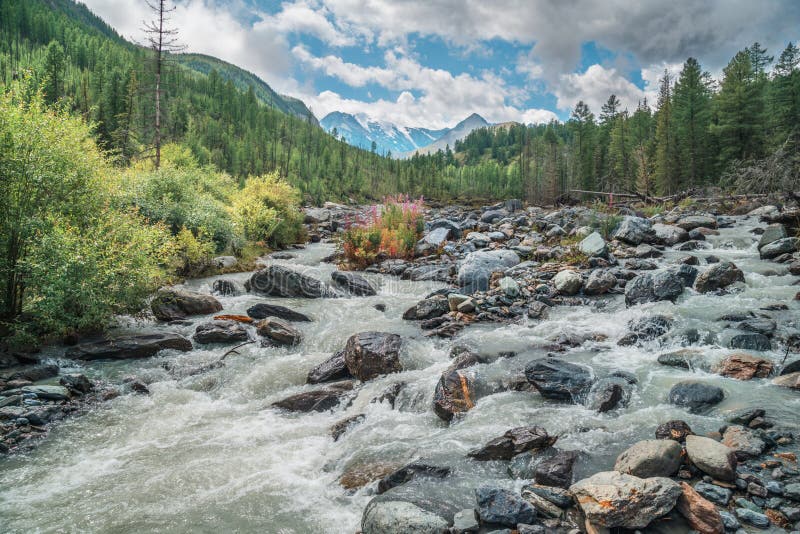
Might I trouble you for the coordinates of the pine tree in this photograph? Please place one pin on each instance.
(665, 162)
(582, 125)
(609, 110)
(619, 155)
(785, 95)
(691, 115)
(54, 72)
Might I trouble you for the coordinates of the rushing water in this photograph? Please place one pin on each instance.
(206, 453)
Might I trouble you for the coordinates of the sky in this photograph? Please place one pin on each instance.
(431, 63)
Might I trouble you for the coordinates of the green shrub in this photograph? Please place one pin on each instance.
(266, 210)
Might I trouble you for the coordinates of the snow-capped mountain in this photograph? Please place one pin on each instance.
(451, 135)
(360, 130)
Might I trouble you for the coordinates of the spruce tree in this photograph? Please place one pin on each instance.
(691, 113)
(665, 152)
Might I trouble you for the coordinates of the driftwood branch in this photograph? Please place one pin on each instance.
(233, 350)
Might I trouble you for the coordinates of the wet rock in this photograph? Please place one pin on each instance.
(263, 310)
(76, 383)
(696, 396)
(465, 522)
(319, 400)
(690, 222)
(53, 393)
(712, 457)
(759, 325)
(613, 499)
(278, 331)
(175, 304)
(220, 332)
(752, 341)
(593, 245)
(744, 416)
(340, 427)
(675, 430)
(781, 246)
(772, 233)
(428, 308)
(280, 281)
(316, 215)
(513, 442)
(35, 373)
(568, 282)
(560, 497)
(454, 394)
(744, 367)
(600, 281)
(436, 237)
(667, 286)
(493, 215)
(227, 288)
(542, 505)
(751, 517)
(332, 369)
(556, 470)
(701, 515)
(509, 286)
(371, 354)
(652, 287)
(138, 346)
(650, 328)
(559, 379)
(608, 393)
(497, 506)
(714, 493)
(791, 380)
(477, 268)
(744, 442)
(410, 472)
(683, 359)
(400, 517)
(453, 227)
(650, 458)
(667, 234)
(718, 276)
(635, 230)
(353, 283)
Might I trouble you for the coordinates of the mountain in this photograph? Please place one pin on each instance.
(360, 131)
(449, 138)
(243, 79)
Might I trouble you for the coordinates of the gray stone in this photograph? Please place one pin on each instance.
(559, 379)
(139, 346)
(220, 332)
(437, 237)
(712, 492)
(690, 222)
(634, 231)
(667, 234)
(696, 396)
(786, 245)
(653, 287)
(509, 286)
(513, 442)
(317, 215)
(175, 304)
(54, 393)
(371, 354)
(772, 233)
(353, 283)
(465, 522)
(600, 281)
(556, 470)
(568, 282)
(264, 310)
(650, 458)
(753, 341)
(744, 442)
(428, 308)
(280, 281)
(278, 331)
(718, 276)
(477, 268)
(712, 457)
(224, 262)
(498, 506)
(608, 393)
(594, 245)
(400, 517)
(753, 518)
(227, 288)
(334, 368)
(493, 215)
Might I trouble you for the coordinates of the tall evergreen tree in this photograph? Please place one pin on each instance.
(785, 95)
(54, 72)
(691, 113)
(582, 124)
(665, 167)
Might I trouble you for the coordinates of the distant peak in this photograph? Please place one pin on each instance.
(473, 119)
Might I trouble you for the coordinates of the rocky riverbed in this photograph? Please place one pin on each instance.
(531, 370)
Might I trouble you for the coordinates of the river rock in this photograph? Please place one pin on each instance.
(718, 276)
(454, 229)
(701, 515)
(35, 373)
(556, 470)
(220, 332)
(634, 231)
(675, 430)
(353, 283)
(437, 236)
(319, 400)
(428, 308)
(683, 359)
(174, 304)
(513, 442)
(772, 233)
(454, 394)
(227, 288)
(53, 393)
(791, 380)
(264, 310)
(712, 457)
(608, 393)
(751, 517)
(690, 222)
(669, 235)
(371, 354)
(650, 458)
(593, 245)
(652, 287)
(559, 379)
(787, 245)
(509, 286)
(600, 281)
(410, 472)
(744, 367)
(696, 396)
(138, 346)
(280, 281)
(477, 268)
(612, 499)
(750, 341)
(400, 517)
(744, 442)
(278, 331)
(76, 383)
(714, 493)
(334, 368)
(568, 282)
(497, 506)
(316, 215)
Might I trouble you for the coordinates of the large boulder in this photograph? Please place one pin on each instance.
(278, 331)
(454, 393)
(745, 443)
(612, 499)
(690, 222)
(634, 231)
(353, 283)
(593, 245)
(772, 233)
(428, 308)
(280, 281)
(744, 367)
(138, 346)
(263, 310)
(568, 282)
(653, 287)
(750, 341)
(718, 276)
(175, 304)
(701, 514)
(437, 237)
(696, 396)
(600, 281)
(513, 442)
(712, 457)
(787, 245)
(667, 234)
(400, 517)
(559, 379)
(477, 268)
(650, 458)
(501, 507)
(608, 393)
(220, 332)
(371, 354)
(316, 215)
(556, 470)
(319, 400)
(334, 368)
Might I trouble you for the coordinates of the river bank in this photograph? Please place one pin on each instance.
(592, 328)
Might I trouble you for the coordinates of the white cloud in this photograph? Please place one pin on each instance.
(594, 86)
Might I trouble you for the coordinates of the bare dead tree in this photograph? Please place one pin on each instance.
(162, 40)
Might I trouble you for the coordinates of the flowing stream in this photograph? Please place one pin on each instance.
(207, 453)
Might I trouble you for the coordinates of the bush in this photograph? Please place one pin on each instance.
(389, 231)
(266, 210)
